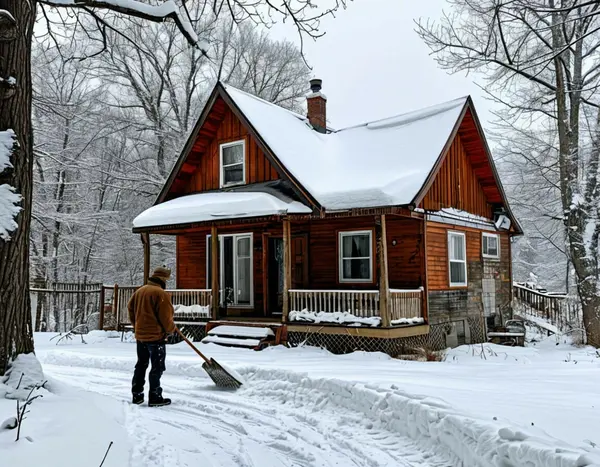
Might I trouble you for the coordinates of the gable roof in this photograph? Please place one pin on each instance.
(381, 163)
(388, 162)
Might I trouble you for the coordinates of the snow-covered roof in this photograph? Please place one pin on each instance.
(202, 207)
(381, 163)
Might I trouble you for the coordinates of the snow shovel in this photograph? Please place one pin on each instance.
(217, 373)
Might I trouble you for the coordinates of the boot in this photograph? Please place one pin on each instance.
(158, 401)
(138, 398)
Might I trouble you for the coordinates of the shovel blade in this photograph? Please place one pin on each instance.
(220, 376)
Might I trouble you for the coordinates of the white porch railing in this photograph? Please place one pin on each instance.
(187, 298)
(361, 303)
(404, 306)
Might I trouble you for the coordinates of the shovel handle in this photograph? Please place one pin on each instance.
(188, 342)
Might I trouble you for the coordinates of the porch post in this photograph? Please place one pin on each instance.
(146, 241)
(214, 252)
(287, 268)
(384, 287)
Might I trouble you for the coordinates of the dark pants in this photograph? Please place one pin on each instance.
(154, 352)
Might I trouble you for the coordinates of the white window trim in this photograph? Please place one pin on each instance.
(457, 234)
(350, 233)
(222, 167)
(235, 266)
(489, 235)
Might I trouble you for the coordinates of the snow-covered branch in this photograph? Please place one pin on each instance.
(134, 8)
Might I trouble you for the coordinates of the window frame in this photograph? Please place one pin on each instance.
(235, 238)
(461, 234)
(349, 233)
(222, 146)
(490, 235)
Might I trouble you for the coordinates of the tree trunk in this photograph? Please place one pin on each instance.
(15, 112)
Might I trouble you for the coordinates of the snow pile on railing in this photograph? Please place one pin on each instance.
(343, 317)
(192, 311)
(431, 423)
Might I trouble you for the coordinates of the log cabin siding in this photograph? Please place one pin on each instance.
(207, 173)
(456, 185)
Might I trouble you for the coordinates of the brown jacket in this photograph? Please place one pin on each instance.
(143, 306)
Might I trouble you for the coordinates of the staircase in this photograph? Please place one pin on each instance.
(249, 335)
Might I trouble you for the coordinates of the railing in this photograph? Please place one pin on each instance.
(557, 309)
(361, 303)
(187, 298)
(405, 305)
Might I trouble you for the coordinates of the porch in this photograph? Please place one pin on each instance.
(322, 309)
(340, 272)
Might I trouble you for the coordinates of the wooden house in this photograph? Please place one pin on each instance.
(390, 233)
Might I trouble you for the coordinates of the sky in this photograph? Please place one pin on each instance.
(373, 64)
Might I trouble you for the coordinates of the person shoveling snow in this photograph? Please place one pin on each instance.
(152, 316)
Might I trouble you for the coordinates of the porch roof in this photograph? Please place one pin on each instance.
(213, 206)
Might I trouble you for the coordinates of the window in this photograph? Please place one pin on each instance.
(457, 257)
(356, 256)
(233, 170)
(235, 272)
(490, 244)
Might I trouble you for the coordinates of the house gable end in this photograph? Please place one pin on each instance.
(198, 168)
(465, 177)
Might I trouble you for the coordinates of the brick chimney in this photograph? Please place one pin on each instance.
(317, 106)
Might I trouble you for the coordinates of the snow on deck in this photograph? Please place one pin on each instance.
(337, 317)
(241, 331)
(202, 207)
(379, 163)
(250, 343)
(534, 407)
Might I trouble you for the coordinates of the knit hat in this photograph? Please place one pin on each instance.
(162, 272)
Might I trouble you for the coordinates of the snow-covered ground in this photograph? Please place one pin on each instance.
(487, 405)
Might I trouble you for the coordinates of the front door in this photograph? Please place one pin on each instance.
(275, 270)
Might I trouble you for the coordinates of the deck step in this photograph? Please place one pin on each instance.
(232, 342)
(252, 335)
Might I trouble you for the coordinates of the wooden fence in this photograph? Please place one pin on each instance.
(61, 306)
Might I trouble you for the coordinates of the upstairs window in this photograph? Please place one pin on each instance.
(233, 169)
(490, 244)
(356, 256)
(457, 258)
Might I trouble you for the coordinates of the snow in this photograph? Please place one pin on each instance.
(453, 216)
(344, 317)
(415, 320)
(9, 200)
(380, 163)
(192, 311)
(484, 405)
(201, 207)
(168, 8)
(241, 331)
(337, 317)
(251, 343)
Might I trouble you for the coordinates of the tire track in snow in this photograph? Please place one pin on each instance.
(261, 424)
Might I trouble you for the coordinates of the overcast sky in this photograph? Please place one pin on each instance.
(373, 64)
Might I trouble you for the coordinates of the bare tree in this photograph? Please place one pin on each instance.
(17, 18)
(540, 59)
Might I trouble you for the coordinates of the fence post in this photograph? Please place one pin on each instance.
(101, 319)
(116, 305)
